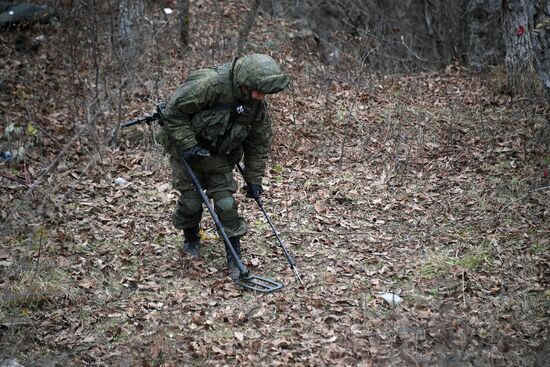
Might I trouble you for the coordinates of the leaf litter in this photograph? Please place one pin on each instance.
(432, 191)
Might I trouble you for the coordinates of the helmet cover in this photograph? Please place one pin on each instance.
(259, 72)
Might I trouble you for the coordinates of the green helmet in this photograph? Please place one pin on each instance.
(259, 72)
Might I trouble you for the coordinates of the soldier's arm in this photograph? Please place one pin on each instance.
(256, 149)
(190, 98)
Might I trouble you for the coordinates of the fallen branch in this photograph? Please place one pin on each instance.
(523, 197)
(13, 178)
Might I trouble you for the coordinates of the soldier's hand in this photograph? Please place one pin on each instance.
(195, 152)
(253, 191)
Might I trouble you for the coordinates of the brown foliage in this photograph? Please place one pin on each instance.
(430, 186)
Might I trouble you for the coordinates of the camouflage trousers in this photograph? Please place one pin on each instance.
(219, 185)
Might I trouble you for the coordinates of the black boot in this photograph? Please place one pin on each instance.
(234, 272)
(192, 243)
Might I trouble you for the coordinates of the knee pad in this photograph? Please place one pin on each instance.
(226, 206)
(188, 212)
(189, 204)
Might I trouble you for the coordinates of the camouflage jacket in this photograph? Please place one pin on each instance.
(208, 109)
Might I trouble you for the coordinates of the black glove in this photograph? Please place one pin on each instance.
(253, 191)
(195, 152)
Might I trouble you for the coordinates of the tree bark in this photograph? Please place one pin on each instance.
(130, 37)
(248, 24)
(525, 31)
(542, 44)
(184, 24)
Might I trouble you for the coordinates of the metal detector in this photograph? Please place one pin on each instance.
(289, 258)
(246, 280)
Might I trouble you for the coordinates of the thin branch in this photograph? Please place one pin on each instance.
(53, 165)
(523, 197)
(13, 178)
(350, 112)
(248, 24)
(411, 51)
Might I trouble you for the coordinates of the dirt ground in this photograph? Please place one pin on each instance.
(430, 186)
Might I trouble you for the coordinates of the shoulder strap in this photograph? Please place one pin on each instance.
(225, 106)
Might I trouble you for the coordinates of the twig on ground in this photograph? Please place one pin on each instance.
(522, 197)
(13, 178)
(40, 236)
(463, 289)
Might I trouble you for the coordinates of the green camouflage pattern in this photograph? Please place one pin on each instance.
(193, 115)
(199, 113)
(219, 186)
(260, 72)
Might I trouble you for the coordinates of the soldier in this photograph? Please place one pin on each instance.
(214, 119)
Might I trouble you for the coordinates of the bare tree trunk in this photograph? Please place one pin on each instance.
(127, 46)
(542, 44)
(183, 6)
(527, 55)
(248, 24)
(130, 15)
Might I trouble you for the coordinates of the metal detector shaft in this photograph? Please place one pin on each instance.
(244, 271)
(289, 258)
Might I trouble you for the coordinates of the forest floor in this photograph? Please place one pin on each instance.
(430, 186)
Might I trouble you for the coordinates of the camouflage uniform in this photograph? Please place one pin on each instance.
(210, 109)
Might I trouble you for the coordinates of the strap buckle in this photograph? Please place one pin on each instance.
(242, 110)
